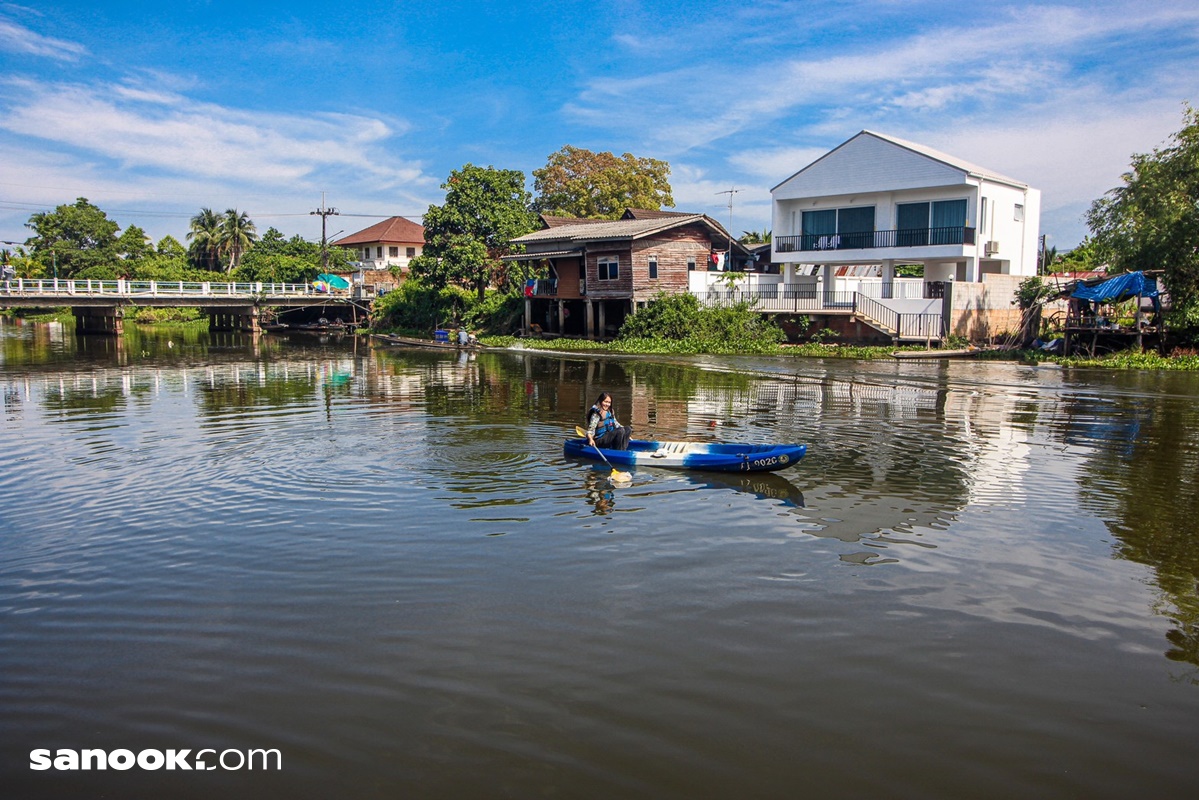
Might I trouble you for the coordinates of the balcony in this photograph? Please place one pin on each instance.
(867, 240)
(546, 287)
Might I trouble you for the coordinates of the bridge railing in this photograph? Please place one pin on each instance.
(33, 287)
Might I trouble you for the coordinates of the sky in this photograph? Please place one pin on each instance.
(153, 111)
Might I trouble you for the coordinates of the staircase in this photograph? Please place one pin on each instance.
(900, 327)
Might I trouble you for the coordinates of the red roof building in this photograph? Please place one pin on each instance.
(394, 242)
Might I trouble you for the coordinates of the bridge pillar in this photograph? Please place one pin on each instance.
(234, 319)
(104, 320)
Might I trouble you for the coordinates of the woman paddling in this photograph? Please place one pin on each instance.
(602, 428)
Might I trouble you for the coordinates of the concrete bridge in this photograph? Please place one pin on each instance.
(99, 306)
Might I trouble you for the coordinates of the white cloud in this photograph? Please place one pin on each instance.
(145, 129)
(158, 152)
(15, 38)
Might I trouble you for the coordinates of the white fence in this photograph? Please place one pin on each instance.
(120, 288)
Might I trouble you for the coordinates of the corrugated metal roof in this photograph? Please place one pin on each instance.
(546, 254)
(606, 229)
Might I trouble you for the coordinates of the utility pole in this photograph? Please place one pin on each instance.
(324, 214)
(728, 265)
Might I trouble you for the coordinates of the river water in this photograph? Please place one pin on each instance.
(980, 582)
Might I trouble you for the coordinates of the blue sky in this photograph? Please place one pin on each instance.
(155, 110)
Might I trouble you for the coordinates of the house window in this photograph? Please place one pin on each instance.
(939, 222)
(834, 228)
(366, 254)
(1019, 215)
(653, 266)
(411, 252)
(393, 252)
(379, 251)
(609, 268)
(691, 263)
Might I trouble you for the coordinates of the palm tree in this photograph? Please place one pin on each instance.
(205, 239)
(237, 235)
(756, 237)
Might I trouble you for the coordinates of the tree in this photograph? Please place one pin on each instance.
(205, 238)
(133, 245)
(237, 235)
(1083, 258)
(73, 238)
(755, 237)
(579, 183)
(169, 247)
(1152, 221)
(484, 209)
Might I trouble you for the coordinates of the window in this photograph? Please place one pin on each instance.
(833, 228)
(379, 251)
(393, 252)
(939, 222)
(366, 254)
(411, 252)
(653, 266)
(982, 222)
(691, 263)
(1019, 215)
(608, 268)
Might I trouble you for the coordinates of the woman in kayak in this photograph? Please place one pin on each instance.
(602, 428)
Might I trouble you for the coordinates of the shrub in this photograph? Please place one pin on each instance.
(499, 313)
(416, 306)
(679, 324)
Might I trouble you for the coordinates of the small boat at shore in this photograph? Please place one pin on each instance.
(411, 341)
(931, 354)
(713, 457)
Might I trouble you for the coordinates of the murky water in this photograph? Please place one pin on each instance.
(981, 582)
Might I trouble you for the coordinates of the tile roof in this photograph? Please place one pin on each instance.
(396, 230)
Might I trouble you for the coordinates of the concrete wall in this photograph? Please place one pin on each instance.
(983, 312)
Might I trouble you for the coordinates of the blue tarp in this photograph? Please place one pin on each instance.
(1121, 287)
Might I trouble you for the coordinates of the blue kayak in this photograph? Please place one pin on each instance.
(694, 455)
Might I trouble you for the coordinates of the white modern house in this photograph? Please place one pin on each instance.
(876, 201)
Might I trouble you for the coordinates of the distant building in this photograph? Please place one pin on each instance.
(394, 242)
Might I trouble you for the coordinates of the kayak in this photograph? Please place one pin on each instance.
(694, 455)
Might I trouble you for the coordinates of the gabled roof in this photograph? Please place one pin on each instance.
(554, 222)
(591, 230)
(944, 158)
(651, 213)
(393, 230)
(921, 150)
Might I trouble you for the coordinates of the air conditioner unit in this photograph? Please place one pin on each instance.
(991, 248)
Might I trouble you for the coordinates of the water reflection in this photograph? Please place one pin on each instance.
(897, 453)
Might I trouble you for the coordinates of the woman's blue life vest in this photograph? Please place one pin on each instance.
(607, 422)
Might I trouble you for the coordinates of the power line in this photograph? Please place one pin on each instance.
(21, 205)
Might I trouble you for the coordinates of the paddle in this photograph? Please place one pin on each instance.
(617, 475)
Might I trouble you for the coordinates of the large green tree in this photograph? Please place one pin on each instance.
(484, 209)
(275, 259)
(579, 183)
(72, 238)
(1152, 221)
